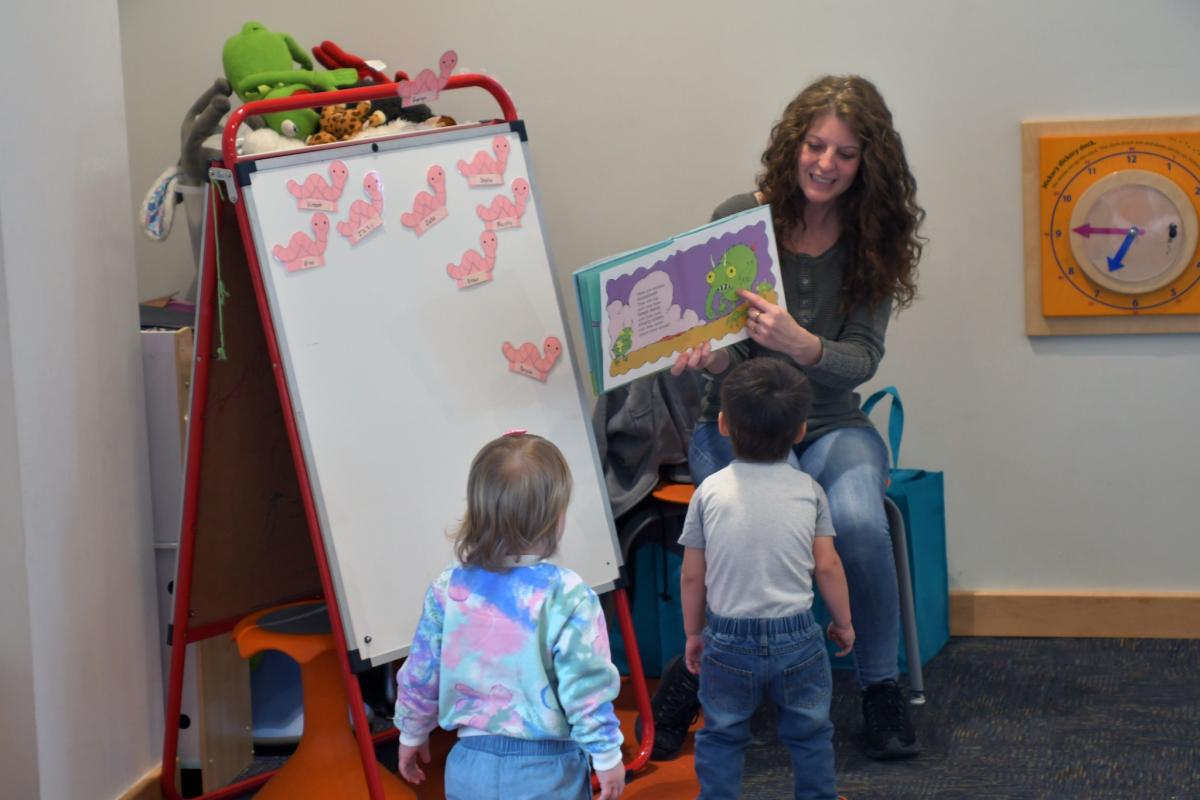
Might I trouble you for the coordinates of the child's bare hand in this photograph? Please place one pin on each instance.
(692, 653)
(700, 358)
(612, 782)
(843, 637)
(408, 761)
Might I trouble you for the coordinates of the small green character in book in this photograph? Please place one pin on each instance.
(623, 344)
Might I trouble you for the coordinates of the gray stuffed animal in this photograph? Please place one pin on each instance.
(184, 181)
(200, 122)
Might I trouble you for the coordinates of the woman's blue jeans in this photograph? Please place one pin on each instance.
(747, 662)
(851, 464)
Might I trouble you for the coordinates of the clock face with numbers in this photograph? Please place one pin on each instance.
(1133, 232)
(1120, 225)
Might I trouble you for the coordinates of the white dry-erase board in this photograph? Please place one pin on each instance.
(417, 316)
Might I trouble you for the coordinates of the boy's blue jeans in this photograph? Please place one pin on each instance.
(506, 768)
(746, 662)
(851, 464)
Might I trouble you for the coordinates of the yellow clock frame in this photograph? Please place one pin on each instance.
(1111, 210)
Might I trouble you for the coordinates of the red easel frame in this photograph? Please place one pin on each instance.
(182, 633)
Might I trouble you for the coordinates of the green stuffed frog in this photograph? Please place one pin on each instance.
(259, 65)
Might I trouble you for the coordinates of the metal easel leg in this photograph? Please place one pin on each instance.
(908, 614)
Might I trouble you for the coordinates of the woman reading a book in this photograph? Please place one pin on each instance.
(846, 219)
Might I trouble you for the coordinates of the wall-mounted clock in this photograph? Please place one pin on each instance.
(1112, 223)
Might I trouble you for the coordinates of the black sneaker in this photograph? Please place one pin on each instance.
(676, 705)
(887, 729)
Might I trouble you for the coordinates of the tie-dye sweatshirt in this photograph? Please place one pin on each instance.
(522, 653)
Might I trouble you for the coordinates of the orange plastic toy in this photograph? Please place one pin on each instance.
(326, 762)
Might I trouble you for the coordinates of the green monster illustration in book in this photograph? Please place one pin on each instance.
(735, 271)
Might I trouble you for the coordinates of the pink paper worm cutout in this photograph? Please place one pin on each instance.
(364, 216)
(303, 251)
(505, 213)
(486, 169)
(475, 268)
(528, 360)
(427, 85)
(318, 194)
(428, 209)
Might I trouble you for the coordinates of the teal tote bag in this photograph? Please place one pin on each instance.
(920, 495)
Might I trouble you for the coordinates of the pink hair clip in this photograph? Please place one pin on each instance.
(515, 432)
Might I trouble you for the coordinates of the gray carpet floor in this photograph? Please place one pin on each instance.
(1027, 718)
(1018, 719)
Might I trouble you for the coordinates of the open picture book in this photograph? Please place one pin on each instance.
(642, 308)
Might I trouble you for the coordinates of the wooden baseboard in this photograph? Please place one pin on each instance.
(1137, 615)
(147, 787)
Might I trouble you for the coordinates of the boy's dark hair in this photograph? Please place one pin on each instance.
(765, 402)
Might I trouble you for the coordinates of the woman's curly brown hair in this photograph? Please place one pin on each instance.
(879, 212)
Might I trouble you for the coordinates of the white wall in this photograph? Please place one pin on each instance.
(1070, 461)
(74, 498)
(18, 734)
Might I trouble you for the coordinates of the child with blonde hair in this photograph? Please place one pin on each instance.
(512, 651)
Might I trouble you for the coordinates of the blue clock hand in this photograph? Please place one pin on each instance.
(1114, 262)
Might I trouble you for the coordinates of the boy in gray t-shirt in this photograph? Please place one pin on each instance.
(755, 538)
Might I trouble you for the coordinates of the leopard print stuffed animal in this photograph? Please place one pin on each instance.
(341, 122)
